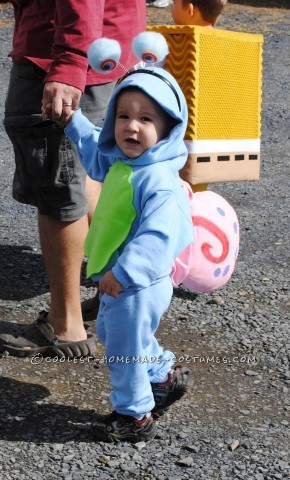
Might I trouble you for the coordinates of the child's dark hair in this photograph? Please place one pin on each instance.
(170, 122)
(209, 9)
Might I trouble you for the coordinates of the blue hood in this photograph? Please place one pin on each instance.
(172, 148)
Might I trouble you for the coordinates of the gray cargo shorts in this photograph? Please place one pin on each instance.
(48, 173)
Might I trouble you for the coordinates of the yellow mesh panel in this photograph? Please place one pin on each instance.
(220, 75)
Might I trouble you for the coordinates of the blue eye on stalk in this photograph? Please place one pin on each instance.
(108, 65)
(150, 47)
(149, 57)
(104, 54)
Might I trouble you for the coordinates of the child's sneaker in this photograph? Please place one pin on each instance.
(165, 394)
(116, 427)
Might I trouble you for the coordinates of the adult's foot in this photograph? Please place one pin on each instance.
(40, 338)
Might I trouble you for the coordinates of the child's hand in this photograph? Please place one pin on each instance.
(47, 115)
(110, 285)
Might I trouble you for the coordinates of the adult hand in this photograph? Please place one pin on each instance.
(110, 285)
(47, 113)
(59, 99)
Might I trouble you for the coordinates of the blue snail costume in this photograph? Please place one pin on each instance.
(141, 224)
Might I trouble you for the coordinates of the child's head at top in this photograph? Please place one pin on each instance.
(197, 12)
(140, 122)
(147, 114)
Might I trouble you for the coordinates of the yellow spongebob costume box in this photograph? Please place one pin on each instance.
(220, 74)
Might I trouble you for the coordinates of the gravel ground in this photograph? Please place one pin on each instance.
(234, 423)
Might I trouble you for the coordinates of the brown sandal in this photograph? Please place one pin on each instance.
(39, 338)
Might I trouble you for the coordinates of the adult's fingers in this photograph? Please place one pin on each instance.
(62, 97)
(56, 107)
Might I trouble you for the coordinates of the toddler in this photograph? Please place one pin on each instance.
(141, 224)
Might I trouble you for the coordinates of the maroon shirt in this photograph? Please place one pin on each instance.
(56, 34)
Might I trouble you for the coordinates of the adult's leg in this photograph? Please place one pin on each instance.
(48, 176)
(62, 243)
(62, 248)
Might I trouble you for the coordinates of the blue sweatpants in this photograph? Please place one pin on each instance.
(126, 326)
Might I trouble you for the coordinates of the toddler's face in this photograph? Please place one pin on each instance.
(140, 123)
(181, 13)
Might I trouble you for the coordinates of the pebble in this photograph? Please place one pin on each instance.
(192, 448)
(234, 445)
(113, 463)
(104, 459)
(140, 445)
(251, 373)
(185, 462)
(259, 476)
(245, 412)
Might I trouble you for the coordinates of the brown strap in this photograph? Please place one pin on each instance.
(45, 328)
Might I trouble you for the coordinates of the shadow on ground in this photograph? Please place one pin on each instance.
(34, 421)
(22, 273)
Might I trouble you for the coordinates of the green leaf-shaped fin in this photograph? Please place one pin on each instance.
(112, 219)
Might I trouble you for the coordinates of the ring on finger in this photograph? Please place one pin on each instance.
(67, 104)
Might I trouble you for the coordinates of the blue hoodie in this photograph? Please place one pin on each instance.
(142, 221)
